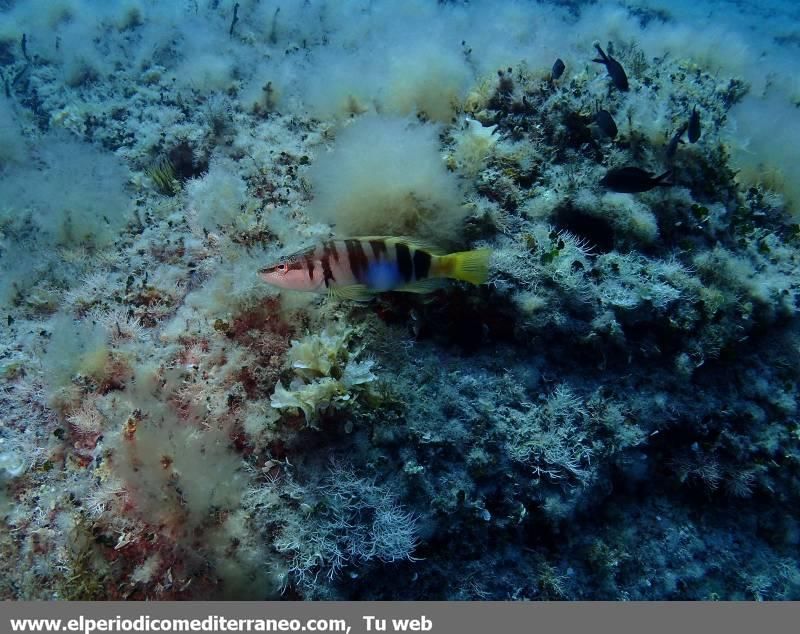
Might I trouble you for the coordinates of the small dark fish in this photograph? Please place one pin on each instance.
(614, 68)
(606, 123)
(694, 126)
(633, 180)
(672, 146)
(558, 69)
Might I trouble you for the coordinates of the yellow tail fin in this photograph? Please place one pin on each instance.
(469, 266)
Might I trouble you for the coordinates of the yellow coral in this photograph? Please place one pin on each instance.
(312, 398)
(327, 374)
(318, 355)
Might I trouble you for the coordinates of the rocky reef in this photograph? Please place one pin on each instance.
(612, 416)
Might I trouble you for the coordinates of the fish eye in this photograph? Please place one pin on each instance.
(281, 268)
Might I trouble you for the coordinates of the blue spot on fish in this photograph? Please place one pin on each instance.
(383, 276)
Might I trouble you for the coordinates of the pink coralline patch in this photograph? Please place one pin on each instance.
(264, 318)
(193, 353)
(265, 333)
(81, 459)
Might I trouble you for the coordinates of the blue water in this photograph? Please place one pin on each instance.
(611, 415)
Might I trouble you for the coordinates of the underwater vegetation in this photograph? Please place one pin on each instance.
(600, 403)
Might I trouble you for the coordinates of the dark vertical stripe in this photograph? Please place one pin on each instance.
(357, 258)
(378, 249)
(363, 260)
(310, 266)
(352, 258)
(331, 250)
(422, 264)
(404, 263)
(327, 274)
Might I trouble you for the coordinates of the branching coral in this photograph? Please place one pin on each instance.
(354, 522)
(554, 439)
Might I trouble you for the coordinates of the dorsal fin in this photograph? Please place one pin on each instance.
(416, 243)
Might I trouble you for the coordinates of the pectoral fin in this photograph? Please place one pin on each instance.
(353, 293)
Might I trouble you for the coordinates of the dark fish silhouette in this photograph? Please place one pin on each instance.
(633, 180)
(614, 68)
(676, 140)
(558, 69)
(694, 126)
(606, 123)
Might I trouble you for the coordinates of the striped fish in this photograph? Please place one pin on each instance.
(358, 268)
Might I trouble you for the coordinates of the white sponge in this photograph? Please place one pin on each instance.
(386, 176)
